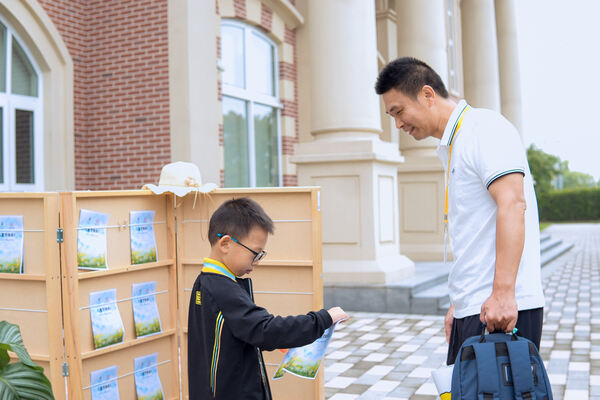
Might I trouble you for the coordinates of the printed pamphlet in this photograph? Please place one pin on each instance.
(143, 241)
(104, 384)
(11, 244)
(91, 240)
(305, 361)
(145, 310)
(107, 326)
(147, 381)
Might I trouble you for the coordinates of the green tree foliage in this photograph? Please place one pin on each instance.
(550, 173)
(576, 180)
(544, 168)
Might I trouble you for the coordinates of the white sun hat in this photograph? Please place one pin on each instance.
(180, 178)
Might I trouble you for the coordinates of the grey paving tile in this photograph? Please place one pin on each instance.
(570, 338)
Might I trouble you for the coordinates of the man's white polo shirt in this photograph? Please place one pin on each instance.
(485, 148)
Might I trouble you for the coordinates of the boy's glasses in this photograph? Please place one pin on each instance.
(257, 256)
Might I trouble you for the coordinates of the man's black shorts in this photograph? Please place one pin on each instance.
(529, 325)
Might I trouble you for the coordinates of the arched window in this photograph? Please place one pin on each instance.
(251, 133)
(21, 146)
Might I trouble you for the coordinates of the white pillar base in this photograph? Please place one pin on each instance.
(368, 272)
(359, 201)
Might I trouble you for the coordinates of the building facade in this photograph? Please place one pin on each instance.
(100, 94)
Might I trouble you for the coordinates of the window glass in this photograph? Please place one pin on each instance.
(260, 65)
(24, 78)
(265, 135)
(24, 146)
(1, 145)
(2, 58)
(235, 142)
(232, 55)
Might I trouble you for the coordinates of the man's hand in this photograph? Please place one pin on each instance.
(337, 314)
(500, 312)
(448, 321)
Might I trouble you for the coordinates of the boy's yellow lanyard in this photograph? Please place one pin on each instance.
(452, 137)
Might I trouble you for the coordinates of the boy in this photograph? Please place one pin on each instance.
(227, 331)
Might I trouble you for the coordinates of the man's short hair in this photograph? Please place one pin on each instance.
(236, 218)
(408, 75)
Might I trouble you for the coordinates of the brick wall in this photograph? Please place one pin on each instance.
(69, 17)
(121, 84)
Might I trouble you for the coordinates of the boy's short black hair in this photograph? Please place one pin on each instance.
(236, 218)
(408, 75)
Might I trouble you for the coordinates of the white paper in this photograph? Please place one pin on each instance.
(91, 240)
(305, 361)
(107, 326)
(11, 244)
(145, 310)
(442, 377)
(142, 238)
(104, 384)
(147, 381)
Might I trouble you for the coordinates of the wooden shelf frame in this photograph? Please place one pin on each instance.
(117, 203)
(274, 201)
(40, 213)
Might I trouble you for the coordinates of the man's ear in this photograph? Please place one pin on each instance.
(428, 94)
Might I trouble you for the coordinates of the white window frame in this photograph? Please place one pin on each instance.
(252, 98)
(10, 103)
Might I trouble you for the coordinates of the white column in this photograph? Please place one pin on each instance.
(422, 34)
(354, 167)
(480, 54)
(195, 112)
(508, 57)
(387, 46)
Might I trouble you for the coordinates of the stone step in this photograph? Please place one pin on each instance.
(555, 252)
(426, 292)
(549, 244)
(431, 301)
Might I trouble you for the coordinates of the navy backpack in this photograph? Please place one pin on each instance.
(499, 366)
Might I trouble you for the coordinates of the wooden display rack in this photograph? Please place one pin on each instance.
(52, 296)
(287, 282)
(32, 299)
(77, 284)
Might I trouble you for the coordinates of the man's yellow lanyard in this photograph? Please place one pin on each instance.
(453, 134)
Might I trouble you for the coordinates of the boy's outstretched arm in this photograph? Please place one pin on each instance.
(255, 325)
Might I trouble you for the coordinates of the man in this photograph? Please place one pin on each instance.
(490, 204)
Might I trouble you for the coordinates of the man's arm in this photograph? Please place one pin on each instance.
(500, 309)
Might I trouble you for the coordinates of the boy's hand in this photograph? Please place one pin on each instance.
(337, 314)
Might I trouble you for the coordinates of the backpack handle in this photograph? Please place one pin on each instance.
(513, 335)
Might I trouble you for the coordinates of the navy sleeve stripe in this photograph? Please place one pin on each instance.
(501, 174)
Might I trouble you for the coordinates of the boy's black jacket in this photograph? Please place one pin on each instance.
(226, 333)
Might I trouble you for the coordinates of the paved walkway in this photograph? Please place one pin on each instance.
(391, 356)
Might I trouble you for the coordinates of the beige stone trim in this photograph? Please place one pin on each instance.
(345, 129)
(288, 167)
(288, 126)
(287, 53)
(278, 27)
(226, 8)
(291, 16)
(46, 45)
(253, 11)
(286, 90)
